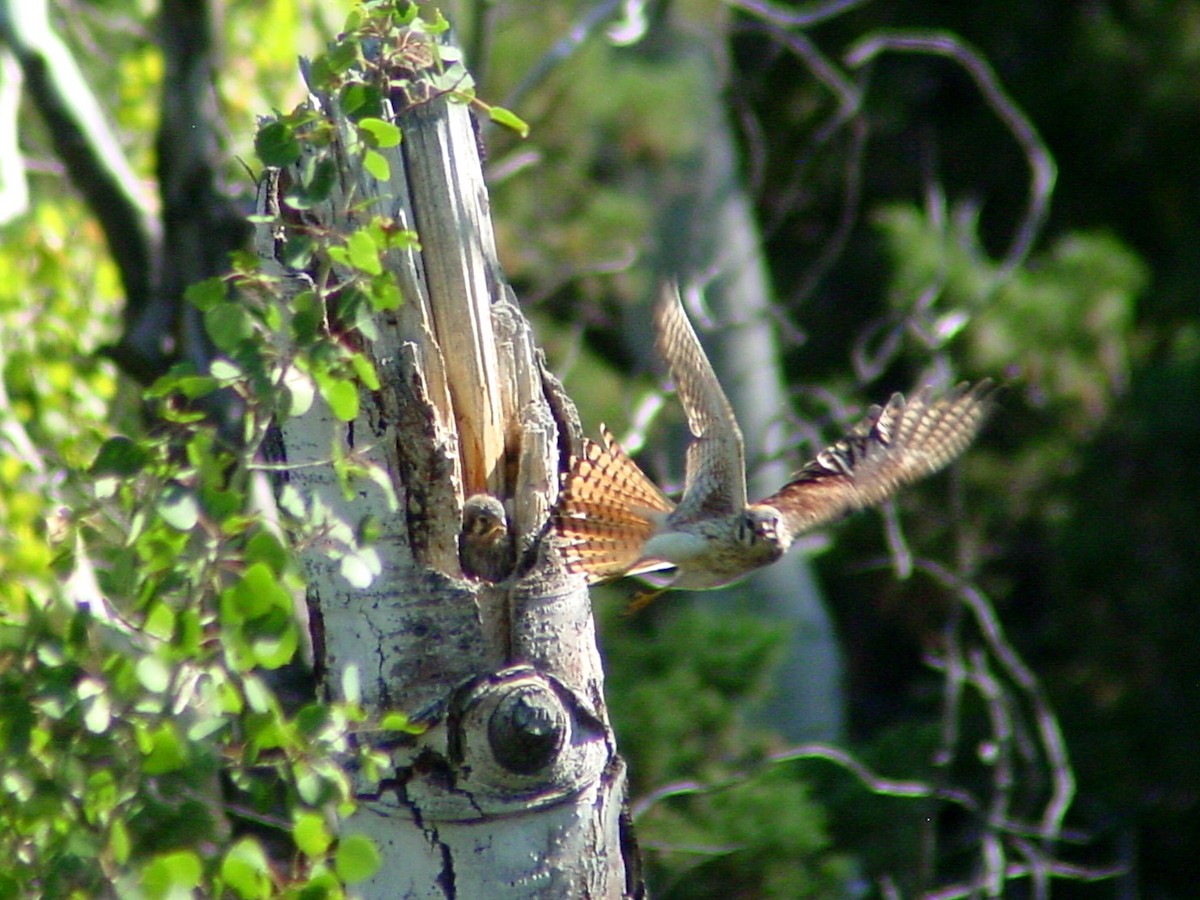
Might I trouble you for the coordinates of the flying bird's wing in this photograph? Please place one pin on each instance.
(893, 446)
(607, 510)
(715, 474)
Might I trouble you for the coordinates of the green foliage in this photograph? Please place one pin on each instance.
(139, 731)
(120, 714)
(1063, 321)
(127, 568)
(682, 715)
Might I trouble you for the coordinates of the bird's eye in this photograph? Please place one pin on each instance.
(748, 531)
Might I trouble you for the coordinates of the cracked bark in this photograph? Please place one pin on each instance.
(516, 789)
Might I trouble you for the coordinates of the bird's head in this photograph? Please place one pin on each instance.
(760, 529)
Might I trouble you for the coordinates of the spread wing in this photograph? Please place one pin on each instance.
(607, 510)
(715, 473)
(893, 446)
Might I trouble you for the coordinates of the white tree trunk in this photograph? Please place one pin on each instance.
(708, 232)
(516, 789)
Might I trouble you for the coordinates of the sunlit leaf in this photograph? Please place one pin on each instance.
(342, 397)
(311, 833)
(364, 252)
(356, 859)
(173, 875)
(508, 119)
(383, 134)
(178, 507)
(246, 871)
(153, 674)
(377, 165)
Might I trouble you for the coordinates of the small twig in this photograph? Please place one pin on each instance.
(875, 783)
(813, 14)
(1051, 868)
(1049, 731)
(564, 48)
(1041, 162)
(776, 22)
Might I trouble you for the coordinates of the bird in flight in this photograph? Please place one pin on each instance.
(612, 520)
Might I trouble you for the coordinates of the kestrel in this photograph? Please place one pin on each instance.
(612, 520)
(485, 546)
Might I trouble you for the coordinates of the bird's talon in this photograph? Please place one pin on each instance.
(642, 599)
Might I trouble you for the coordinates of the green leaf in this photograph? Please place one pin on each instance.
(258, 593)
(317, 176)
(264, 547)
(356, 858)
(160, 621)
(172, 875)
(307, 317)
(189, 631)
(359, 100)
(194, 386)
(276, 144)
(509, 119)
(310, 786)
(225, 372)
(311, 833)
(398, 721)
(342, 397)
(245, 870)
(364, 252)
(365, 370)
(97, 714)
(119, 456)
(377, 165)
(274, 650)
(167, 384)
(153, 674)
(342, 55)
(204, 295)
(385, 294)
(228, 325)
(178, 507)
(297, 251)
(382, 134)
(119, 844)
(300, 392)
(164, 750)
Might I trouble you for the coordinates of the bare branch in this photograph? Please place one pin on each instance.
(1049, 731)
(14, 190)
(564, 48)
(875, 783)
(775, 22)
(85, 142)
(813, 14)
(1015, 871)
(200, 223)
(1041, 163)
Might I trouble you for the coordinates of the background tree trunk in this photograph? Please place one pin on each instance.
(708, 236)
(516, 788)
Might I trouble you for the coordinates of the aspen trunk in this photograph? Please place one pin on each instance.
(516, 788)
(707, 231)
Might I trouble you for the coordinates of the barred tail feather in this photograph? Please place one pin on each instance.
(606, 512)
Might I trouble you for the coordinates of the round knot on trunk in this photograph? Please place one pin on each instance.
(527, 729)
